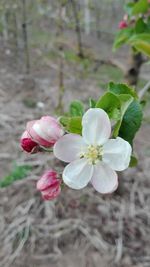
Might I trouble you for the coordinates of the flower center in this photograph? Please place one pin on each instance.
(93, 154)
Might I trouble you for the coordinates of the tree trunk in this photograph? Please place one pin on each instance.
(5, 26)
(97, 11)
(86, 17)
(59, 34)
(77, 28)
(133, 70)
(25, 37)
(135, 63)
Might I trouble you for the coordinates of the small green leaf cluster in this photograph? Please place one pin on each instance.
(123, 107)
(137, 33)
(133, 8)
(72, 120)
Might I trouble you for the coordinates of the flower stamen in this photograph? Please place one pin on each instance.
(93, 154)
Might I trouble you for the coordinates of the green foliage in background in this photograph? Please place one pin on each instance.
(17, 173)
(137, 34)
(76, 108)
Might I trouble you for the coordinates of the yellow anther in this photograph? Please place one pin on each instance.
(93, 154)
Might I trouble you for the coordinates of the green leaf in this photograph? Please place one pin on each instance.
(75, 125)
(92, 103)
(140, 7)
(122, 37)
(121, 88)
(76, 108)
(72, 124)
(126, 96)
(125, 100)
(148, 22)
(142, 47)
(140, 37)
(141, 42)
(131, 121)
(133, 161)
(18, 173)
(116, 102)
(140, 26)
(111, 104)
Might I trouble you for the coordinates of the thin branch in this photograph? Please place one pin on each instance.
(143, 91)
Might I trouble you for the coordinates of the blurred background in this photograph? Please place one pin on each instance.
(52, 52)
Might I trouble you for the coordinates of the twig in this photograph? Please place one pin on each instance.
(20, 246)
(95, 240)
(119, 246)
(143, 91)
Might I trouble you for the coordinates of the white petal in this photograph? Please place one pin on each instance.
(96, 126)
(104, 179)
(117, 153)
(77, 174)
(69, 147)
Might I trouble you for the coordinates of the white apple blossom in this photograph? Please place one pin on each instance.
(93, 157)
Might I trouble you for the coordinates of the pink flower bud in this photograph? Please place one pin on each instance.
(45, 131)
(122, 24)
(49, 185)
(28, 144)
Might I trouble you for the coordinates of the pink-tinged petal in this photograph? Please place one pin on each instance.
(45, 131)
(39, 132)
(29, 125)
(104, 179)
(40, 140)
(117, 154)
(35, 131)
(48, 179)
(51, 127)
(49, 185)
(69, 147)
(48, 119)
(51, 193)
(31, 132)
(77, 174)
(25, 135)
(96, 126)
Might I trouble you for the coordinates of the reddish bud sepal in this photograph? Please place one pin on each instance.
(28, 144)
